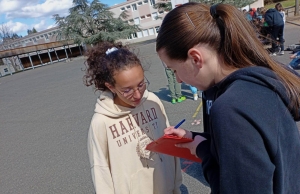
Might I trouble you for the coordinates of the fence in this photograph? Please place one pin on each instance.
(290, 11)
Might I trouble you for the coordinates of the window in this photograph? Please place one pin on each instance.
(42, 36)
(145, 1)
(134, 8)
(131, 21)
(161, 12)
(50, 34)
(134, 35)
(37, 37)
(154, 15)
(136, 21)
(142, 17)
(34, 40)
(148, 15)
(140, 3)
(122, 9)
(30, 39)
(128, 7)
(145, 32)
(152, 2)
(139, 34)
(46, 37)
(151, 31)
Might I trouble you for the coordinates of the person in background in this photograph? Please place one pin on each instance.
(194, 91)
(247, 15)
(251, 12)
(280, 8)
(127, 118)
(295, 63)
(252, 103)
(275, 27)
(254, 13)
(259, 14)
(174, 86)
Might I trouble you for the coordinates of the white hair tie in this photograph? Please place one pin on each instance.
(111, 50)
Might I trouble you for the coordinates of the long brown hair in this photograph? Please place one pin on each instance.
(228, 33)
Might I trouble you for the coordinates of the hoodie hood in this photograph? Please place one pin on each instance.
(274, 18)
(271, 10)
(261, 76)
(105, 105)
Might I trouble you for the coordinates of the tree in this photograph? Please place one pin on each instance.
(163, 5)
(93, 23)
(31, 31)
(7, 36)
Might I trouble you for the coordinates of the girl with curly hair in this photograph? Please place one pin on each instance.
(127, 117)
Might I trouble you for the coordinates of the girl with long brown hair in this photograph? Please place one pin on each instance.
(251, 103)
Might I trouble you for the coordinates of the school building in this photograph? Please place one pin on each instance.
(42, 48)
(142, 13)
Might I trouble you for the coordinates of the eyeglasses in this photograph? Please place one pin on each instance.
(128, 93)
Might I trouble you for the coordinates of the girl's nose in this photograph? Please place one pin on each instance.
(137, 94)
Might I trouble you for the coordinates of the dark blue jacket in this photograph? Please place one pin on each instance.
(274, 18)
(253, 143)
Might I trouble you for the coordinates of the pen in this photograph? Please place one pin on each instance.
(178, 125)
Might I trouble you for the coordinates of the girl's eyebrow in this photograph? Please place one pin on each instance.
(138, 84)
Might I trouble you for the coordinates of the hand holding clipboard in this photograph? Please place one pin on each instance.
(167, 145)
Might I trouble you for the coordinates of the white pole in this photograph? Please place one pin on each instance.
(8, 66)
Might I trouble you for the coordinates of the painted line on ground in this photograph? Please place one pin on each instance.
(198, 109)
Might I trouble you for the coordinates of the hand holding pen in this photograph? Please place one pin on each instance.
(187, 134)
(178, 131)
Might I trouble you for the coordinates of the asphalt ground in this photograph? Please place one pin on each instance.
(45, 115)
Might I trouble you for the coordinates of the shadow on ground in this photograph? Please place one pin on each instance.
(194, 169)
(164, 93)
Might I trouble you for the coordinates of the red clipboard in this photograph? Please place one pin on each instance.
(166, 145)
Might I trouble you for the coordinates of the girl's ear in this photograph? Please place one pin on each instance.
(110, 87)
(196, 56)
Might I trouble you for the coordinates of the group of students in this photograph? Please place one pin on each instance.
(251, 141)
(270, 27)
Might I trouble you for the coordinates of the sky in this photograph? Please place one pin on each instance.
(21, 15)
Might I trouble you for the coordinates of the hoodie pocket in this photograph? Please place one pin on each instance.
(142, 181)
